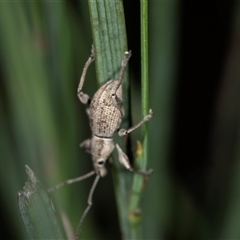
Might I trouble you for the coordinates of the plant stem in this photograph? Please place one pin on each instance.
(142, 149)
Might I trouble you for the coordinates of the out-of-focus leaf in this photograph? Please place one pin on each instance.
(37, 210)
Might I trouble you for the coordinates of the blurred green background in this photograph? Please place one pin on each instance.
(194, 135)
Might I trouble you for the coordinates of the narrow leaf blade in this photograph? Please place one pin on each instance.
(37, 210)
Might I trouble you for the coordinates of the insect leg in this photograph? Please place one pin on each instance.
(70, 181)
(88, 207)
(84, 98)
(125, 60)
(124, 132)
(123, 159)
(86, 145)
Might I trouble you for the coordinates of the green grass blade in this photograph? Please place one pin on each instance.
(37, 210)
(109, 37)
(110, 42)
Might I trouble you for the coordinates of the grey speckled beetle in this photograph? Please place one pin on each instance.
(105, 116)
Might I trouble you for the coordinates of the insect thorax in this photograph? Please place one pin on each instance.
(101, 148)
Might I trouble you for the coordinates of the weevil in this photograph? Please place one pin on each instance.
(105, 114)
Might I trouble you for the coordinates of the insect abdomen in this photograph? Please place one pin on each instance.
(105, 118)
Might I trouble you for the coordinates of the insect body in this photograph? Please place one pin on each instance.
(105, 116)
